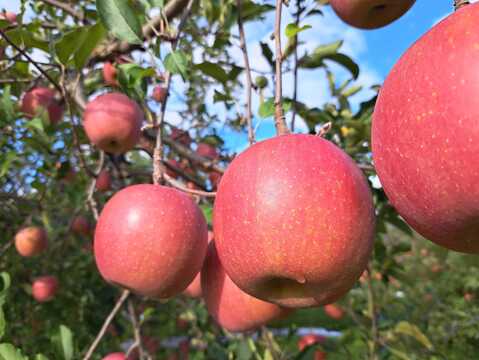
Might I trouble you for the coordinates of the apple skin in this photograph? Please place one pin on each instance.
(151, 239)
(370, 14)
(112, 122)
(80, 225)
(232, 308)
(31, 241)
(115, 356)
(103, 181)
(44, 288)
(159, 93)
(334, 311)
(294, 221)
(10, 16)
(109, 74)
(207, 151)
(39, 99)
(425, 134)
(194, 289)
(310, 339)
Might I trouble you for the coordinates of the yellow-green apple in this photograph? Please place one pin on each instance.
(31, 241)
(44, 288)
(334, 311)
(159, 93)
(232, 308)
(370, 14)
(294, 221)
(103, 181)
(80, 225)
(109, 74)
(40, 100)
(151, 239)
(112, 122)
(194, 288)
(425, 133)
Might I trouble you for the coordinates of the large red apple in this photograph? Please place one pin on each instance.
(151, 239)
(370, 14)
(109, 74)
(31, 241)
(39, 100)
(425, 133)
(294, 221)
(194, 288)
(231, 307)
(80, 225)
(103, 181)
(44, 288)
(112, 122)
(115, 356)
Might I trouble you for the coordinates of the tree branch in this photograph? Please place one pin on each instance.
(67, 8)
(299, 10)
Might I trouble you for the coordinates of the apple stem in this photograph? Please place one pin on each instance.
(324, 129)
(460, 3)
(136, 331)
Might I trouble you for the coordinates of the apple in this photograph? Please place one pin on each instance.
(468, 297)
(215, 178)
(232, 308)
(370, 14)
(334, 311)
(31, 241)
(194, 288)
(319, 355)
(80, 225)
(150, 239)
(39, 100)
(109, 74)
(103, 181)
(115, 356)
(44, 288)
(293, 221)
(159, 93)
(112, 122)
(180, 136)
(9, 16)
(425, 134)
(208, 151)
(310, 339)
(174, 164)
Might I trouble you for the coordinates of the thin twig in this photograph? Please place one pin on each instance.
(91, 190)
(136, 331)
(30, 60)
(324, 129)
(108, 320)
(372, 313)
(295, 69)
(249, 81)
(279, 119)
(460, 3)
(177, 184)
(5, 248)
(65, 7)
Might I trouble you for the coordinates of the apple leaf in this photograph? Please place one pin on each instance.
(9, 352)
(213, 70)
(118, 16)
(94, 35)
(406, 328)
(176, 62)
(293, 29)
(66, 341)
(266, 109)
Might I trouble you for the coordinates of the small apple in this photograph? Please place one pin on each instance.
(103, 181)
(31, 241)
(10, 16)
(112, 122)
(180, 136)
(109, 74)
(39, 100)
(159, 93)
(175, 165)
(370, 14)
(80, 225)
(310, 339)
(194, 289)
(208, 151)
(150, 239)
(232, 308)
(334, 311)
(115, 356)
(44, 288)
(468, 296)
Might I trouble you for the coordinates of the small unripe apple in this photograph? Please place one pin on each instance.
(109, 74)
(370, 14)
(44, 288)
(425, 133)
(39, 100)
(159, 93)
(103, 181)
(31, 241)
(113, 122)
(80, 225)
(334, 311)
(232, 308)
(180, 136)
(150, 239)
(310, 339)
(194, 288)
(261, 82)
(208, 151)
(115, 356)
(294, 221)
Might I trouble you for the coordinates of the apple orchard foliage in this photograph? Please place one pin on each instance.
(418, 300)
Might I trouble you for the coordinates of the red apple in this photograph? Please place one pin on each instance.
(44, 288)
(468, 296)
(334, 311)
(113, 122)
(151, 239)
(370, 14)
(174, 164)
(31, 241)
(80, 225)
(319, 355)
(294, 221)
(215, 178)
(208, 151)
(194, 289)
(231, 307)
(109, 74)
(103, 181)
(159, 93)
(310, 339)
(40, 99)
(115, 356)
(425, 133)
(180, 136)
(10, 16)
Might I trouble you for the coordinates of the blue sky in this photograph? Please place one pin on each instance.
(376, 51)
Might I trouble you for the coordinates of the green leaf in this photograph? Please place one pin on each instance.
(409, 329)
(95, 34)
(243, 351)
(157, 3)
(267, 53)
(40, 357)
(266, 109)
(7, 161)
(66, 341)
(7, 110)
(27, 39)
(213, 70)
(68, 45)
(345, 61)
(293, 29)
(328, 49)
(118, 16)
(207, 212)
(176, 62)
(9, 352)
